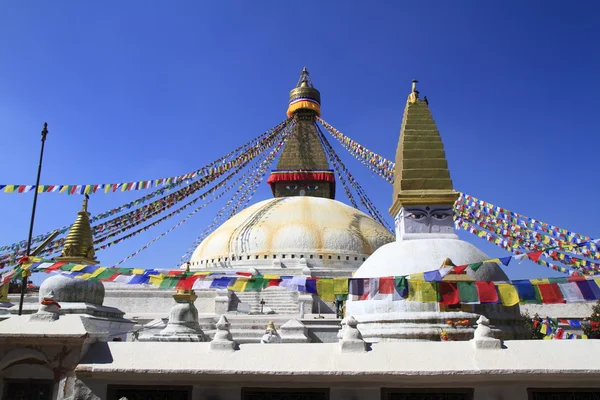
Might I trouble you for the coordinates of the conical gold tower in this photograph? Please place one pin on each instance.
(302, 169)
(422, 176)
(79, 245)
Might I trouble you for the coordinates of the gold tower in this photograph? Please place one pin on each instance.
(79, 244)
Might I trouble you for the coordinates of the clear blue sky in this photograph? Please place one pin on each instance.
(137, 90)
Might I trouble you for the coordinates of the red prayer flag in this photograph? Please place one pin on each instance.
(460, 269)
(535, 256)
(244, 273)
(487, 292)
(576, 278)
(186, 283)
(550, 293)
(448, 293)
(387, 285)
(273, 282)
(55, 266)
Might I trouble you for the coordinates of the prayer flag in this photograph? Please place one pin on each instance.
(387, 285)
(325, 289)
(574, 323)
(475, 266)
(255, 284)
(505, 260)
(311, 286)
(432, 276)
(589, 289)
(535, 256)
(186, 283)
(467, 292)
(401, 286)
(526, 291)
(550, 293)
(487, 292)
(460, 269)
(239, 285)
(570, 292)
(448, 293)
(168, 282)
(422, 291)
(508, 294)
(340, 285)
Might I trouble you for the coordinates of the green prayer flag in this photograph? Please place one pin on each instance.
(475, 266)
(254, 285)
(169, 282)
(401, 286)
(67, 267)
(467, 292)
(104, 274)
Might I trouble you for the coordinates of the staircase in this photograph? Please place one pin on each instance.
(280, 300)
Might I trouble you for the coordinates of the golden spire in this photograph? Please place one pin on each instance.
(421, 176)
(183, 295)
(79, 244)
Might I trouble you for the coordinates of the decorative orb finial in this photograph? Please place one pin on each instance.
(304, 97)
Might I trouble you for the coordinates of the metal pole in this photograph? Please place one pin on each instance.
(35, 194)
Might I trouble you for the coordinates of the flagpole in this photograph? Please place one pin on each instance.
(35, 195)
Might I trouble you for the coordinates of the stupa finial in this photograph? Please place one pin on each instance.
(79, 244)
(422, 177)
(413, 97)
(304, 97)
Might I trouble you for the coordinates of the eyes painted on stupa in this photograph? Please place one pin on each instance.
(427, 220)
(296, 187)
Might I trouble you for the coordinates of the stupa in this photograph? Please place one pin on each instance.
(79, 297)
(303, 230)
(425, 240)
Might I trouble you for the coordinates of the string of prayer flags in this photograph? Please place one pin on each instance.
(376, 163)
(212, 168)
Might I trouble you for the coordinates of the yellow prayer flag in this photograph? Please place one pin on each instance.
(63, 188)
(539, 281)
(239, 285)
(422, 291)
(325, 289)
(85, 277)
(138, 271)
(156, 280)
(597, 280)
(271, 276)
(417, 277)
(548, 337)
(340, 285)
(202, 273)
(584, 336)
(98, 272)
(543, 329)
(494, 260)
(508, 294)
(78, 267)
(9, 189)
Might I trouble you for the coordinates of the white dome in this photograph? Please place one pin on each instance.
(407, 257)
(293, 227)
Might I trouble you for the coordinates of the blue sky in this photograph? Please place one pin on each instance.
(139, 90)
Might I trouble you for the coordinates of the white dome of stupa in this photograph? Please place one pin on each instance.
(287, 230)
(408, 257)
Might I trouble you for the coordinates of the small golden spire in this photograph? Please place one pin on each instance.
(271, 326)
(183, 294)
(414, 93)
(448, 263)
(79, 244)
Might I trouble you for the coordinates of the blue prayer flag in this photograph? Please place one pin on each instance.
(526, 291)
(574, 323)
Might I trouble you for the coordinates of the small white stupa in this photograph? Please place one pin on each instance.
(425, 240)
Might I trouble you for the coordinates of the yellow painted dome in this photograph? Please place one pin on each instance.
(320, 231)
